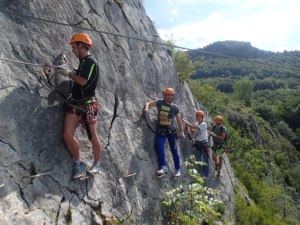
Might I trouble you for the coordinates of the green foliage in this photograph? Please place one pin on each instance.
(220, 208)
(276, 94)
(248, 215)
(150, 55)
(285, 131)
(190, 203)
(295, 177)
(242, 91)
(263, 172)
(126, 218)
(120, 2)
(265, 112)
(68, 216)
(184, 65)
(208, 96)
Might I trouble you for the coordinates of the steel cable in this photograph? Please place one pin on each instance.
(139, 39)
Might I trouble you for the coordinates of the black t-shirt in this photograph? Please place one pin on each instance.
(88, 69)
(166, 114)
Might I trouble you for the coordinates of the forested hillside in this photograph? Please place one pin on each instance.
(276, 90)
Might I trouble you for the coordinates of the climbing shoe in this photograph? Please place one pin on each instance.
(79, 170)
(217, 166)
(177, 172)
(204, 178)
(219, 173)
(94, 169)
(163, 170)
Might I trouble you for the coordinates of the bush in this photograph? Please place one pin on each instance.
(191, 203)
(285, 131)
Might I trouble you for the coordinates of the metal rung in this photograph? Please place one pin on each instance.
(130, 175)
(38, 175)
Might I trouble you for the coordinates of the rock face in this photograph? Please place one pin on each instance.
(32, 117)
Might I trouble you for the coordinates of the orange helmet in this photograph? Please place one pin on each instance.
(169, 91)
(82, 37)
(200, 113)
(219, 117)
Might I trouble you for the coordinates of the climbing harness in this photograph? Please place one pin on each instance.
(200, 145)
(163, 130)
(83, 112)
(218, 146)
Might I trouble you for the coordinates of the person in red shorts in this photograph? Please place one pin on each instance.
(83, 107)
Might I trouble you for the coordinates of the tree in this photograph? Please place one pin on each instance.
(285, 131)
(265, 112)
(242, 91)
(184, 65)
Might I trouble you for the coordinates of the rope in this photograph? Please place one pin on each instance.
(44, 20)
(15, 61)
(139, 39)
(47, 76)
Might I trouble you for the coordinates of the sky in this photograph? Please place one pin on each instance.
(272, 25)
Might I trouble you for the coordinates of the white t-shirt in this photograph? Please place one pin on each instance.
(201, 133)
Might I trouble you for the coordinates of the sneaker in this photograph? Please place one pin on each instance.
(204, 178)
(163, 170)
(217, 166)
(177, 173)
(94, 169)
(79, 170)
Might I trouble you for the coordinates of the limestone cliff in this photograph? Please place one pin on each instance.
(31, 116)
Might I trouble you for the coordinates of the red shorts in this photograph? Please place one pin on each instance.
(91, 110)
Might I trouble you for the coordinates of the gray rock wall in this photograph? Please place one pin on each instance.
(31, 116)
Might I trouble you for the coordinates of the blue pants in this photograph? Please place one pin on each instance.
(202, 152)
(173, 146)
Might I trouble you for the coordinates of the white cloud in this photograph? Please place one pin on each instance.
(214, 16)
(281, 49)
(263, 30)
(175, 11)
(259, 3)
(172, 19)
(297, 48)
(169, 1)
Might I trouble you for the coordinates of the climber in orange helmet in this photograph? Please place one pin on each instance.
(82, 107)
(219, 138)
(199, 131)
(166, 129)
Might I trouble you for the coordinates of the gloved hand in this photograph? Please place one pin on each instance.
(212, 134)
(183, 120)
(181, 134)
(144, 112)
(63, 71)
(75, 70)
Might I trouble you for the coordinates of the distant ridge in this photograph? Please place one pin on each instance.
(238, 49)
